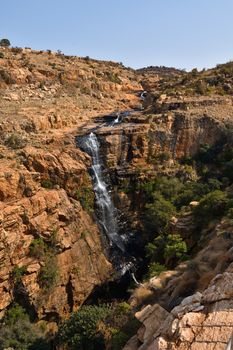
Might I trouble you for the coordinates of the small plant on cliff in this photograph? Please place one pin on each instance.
(46, 184)
(48, 274)
(1, 55)
(85, 196)
(212, 205)
(17, 273)
(155, 269)
(38, 248)
(158, 214)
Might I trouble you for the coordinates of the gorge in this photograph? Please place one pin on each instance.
(90, 194)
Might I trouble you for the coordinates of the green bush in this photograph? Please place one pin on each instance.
(17, 273)
(211, 205)
(80, 331)
(99, 327)
(1, 55)
(38, 248)
(175, 247)
(119, 340)
(158, 214)
(15, 141)
(47, 184)
(155, 269)
(113, 77)
(48, 273)
(18, 333)
(166, 249)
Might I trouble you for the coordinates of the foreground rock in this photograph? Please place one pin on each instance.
(202, 321)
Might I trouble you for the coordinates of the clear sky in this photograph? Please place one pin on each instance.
(179, 33)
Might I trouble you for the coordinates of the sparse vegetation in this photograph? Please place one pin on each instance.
(17, 273)
(85, 196)
(15, 141)
(49, 273)
(47, 183)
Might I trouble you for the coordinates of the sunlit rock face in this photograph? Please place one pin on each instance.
(201, 321)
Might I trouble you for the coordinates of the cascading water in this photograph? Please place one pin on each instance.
(106, 212)
(103, 200)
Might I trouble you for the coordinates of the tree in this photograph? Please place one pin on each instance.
(5, 43)
(158, 214)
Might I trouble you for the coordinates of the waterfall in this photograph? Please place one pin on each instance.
(107, 211)
(117, 120)
(143, 95)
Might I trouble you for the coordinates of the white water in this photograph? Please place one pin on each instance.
(108, 215)
(143, 95)
(116, 120)
(134, 279)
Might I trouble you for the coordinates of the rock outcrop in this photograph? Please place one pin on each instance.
(202, 321)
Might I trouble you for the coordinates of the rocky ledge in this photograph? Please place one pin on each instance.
(202, 321)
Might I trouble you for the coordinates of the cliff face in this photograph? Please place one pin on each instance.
(31, 214)
(177, 131)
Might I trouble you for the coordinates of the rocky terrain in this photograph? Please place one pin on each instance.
(52, 250)
(45, 99)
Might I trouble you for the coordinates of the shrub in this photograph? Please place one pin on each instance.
(85, 196)
(175, 247)
(166, 249)
(211, 205)
(6, 77)
(168, 188)
(48, 273)
(113, 77)
(5, 43)
(1, 55)
(15, 141)
(119, 340)
(99, 327)
(17, 273)
(155, 269)
(201, 87)
(47, 184)
(18, 333)
(81, 330)
(38, 248)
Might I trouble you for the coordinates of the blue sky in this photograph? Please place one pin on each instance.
(180, 33)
